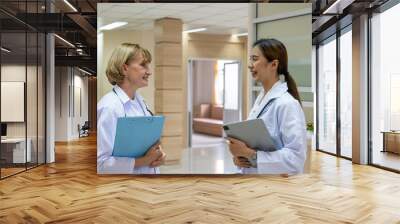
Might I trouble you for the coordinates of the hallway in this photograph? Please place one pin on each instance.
(70, 191)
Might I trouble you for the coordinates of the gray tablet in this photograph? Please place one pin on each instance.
(253, 133)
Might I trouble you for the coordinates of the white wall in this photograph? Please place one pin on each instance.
(106, 42)
(67, 113)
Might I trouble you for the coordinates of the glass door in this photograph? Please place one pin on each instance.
(346, 93)
(385, 90)
(231, 97)
(14, 144)
(22, 77)
(327, 128)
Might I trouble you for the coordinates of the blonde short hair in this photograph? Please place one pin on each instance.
(124, 54)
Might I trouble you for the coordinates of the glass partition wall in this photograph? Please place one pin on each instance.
(22, 77)
(327, 96)
(345, 63)
(385, 90)
(334, 99)
(297, 39)
(334, 86)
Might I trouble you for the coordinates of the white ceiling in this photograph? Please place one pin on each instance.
(218, 18)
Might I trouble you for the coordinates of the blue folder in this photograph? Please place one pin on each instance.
(135, 135)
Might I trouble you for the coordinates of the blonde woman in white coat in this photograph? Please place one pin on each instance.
(127, 70)
(279, 106)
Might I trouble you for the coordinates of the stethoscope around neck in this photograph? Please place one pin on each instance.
(151, 113)
(141, 107)
(263, 110)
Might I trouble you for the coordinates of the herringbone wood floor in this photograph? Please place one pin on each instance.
(70, 191)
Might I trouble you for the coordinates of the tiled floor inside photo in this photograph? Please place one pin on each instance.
(208, 155)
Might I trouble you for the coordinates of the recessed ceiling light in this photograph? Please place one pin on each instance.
(79, 51)
(5, 49)
(240, 34)
(194, 30)
(113, 25)
(84, 71)
(70, 5)
(65, 41)
(328, 10)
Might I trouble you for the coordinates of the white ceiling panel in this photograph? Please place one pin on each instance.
(189, 16)
(104, 7)
(208, 10)
(129, 7)
(138, 20)
(241, 12)
(156, 13)
(182, 7)
(230, 6)
(218, 18)
(224, 17)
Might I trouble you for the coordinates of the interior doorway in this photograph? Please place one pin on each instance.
(214, 98)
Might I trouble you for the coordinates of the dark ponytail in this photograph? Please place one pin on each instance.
(273, 49)
(292, 86)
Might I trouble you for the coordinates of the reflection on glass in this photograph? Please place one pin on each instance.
(346, 94)
(41, 99)
(13, 85)
(31, 97)
(327, 96)
(385, 84)
(22, 89)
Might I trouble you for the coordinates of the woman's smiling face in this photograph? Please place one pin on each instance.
(137, 72)
(260, 68)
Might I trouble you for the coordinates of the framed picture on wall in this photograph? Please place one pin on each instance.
(12, 101)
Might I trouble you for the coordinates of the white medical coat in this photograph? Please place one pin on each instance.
(284, 119)
(113, 105)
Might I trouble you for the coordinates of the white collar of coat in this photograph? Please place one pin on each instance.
(123, 96)
(277, 90)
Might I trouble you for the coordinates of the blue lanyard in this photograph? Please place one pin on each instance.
(144, 113)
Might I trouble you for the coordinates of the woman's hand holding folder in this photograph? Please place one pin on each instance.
(154, 157)
(241, 162)
(240, 149)
(160, 160)
(241, 153)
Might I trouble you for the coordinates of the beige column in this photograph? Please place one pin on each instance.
(169, 96)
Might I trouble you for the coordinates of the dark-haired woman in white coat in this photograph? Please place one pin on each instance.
(279, 106)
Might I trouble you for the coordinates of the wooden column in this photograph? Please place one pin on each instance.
(360, 90)
(169, 86)
(92, 103)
